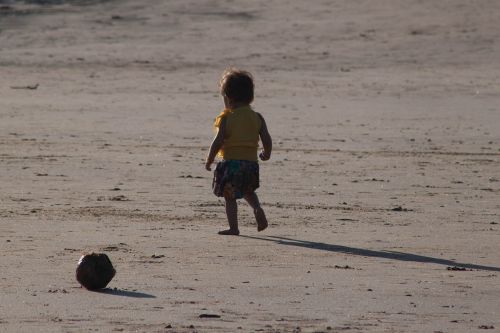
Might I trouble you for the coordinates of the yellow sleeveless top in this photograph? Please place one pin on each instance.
(241, 138)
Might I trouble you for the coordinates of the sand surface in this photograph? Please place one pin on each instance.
(383, 191)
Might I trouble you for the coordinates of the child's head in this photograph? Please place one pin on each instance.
(237, 86)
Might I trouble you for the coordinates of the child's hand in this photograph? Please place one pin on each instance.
(208, 164)
(264, 155)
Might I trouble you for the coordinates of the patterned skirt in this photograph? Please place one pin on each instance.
(235, 178)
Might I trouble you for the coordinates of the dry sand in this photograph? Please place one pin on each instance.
(383, 190)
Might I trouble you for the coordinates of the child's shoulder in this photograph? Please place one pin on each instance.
(260, 116)
(221, 119)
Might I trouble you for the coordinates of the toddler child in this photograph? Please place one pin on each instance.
(239, 128)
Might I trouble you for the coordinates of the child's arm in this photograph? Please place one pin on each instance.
(267, 142)
(216, 144)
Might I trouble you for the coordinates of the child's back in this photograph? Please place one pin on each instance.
(242, 130)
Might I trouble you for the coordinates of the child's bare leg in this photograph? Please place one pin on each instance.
(232, 217)
(260, 217)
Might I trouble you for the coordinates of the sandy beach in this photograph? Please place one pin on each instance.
(383, 191)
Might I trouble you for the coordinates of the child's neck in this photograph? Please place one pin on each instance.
(236, 105)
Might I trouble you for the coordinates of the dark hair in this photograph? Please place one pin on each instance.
(237, 85)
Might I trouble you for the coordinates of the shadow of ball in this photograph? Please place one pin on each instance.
(94, 271)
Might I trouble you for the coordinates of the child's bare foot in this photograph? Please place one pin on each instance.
(230, 232)
(261, 219)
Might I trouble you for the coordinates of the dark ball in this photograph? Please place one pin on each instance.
(94, 271)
